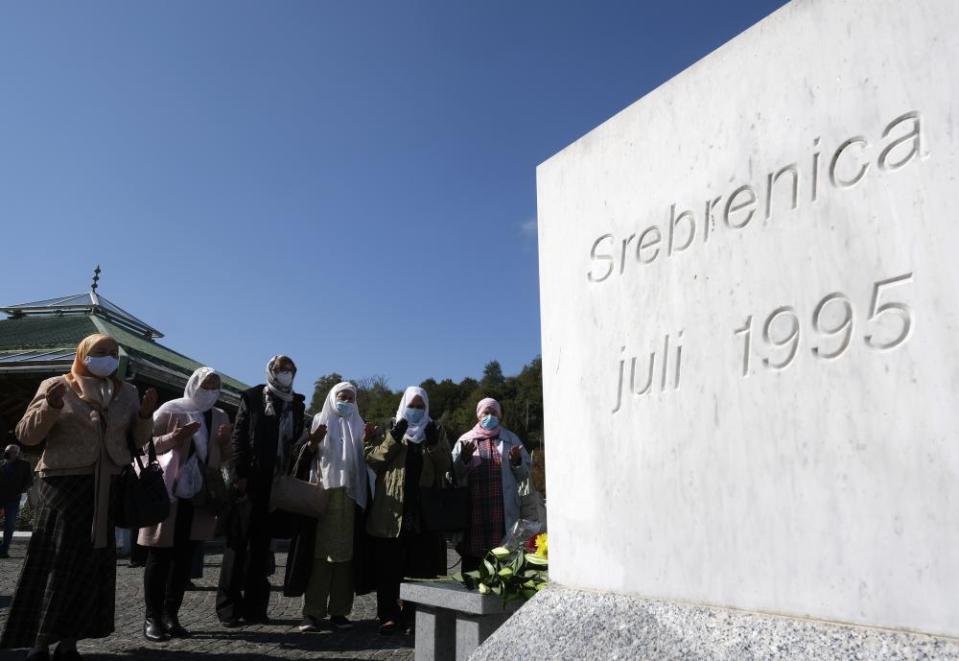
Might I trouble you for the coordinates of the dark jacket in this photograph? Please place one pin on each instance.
(15, 477)
(255, 437)
(388, 460)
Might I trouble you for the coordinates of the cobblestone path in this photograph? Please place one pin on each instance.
(211, 641)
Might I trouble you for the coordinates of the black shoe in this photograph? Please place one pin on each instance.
(258, 619)
(154, 631)
(61, 654)
(232, 623)
(190, 585)
(340, 623)
(388, 627)
(173, 627)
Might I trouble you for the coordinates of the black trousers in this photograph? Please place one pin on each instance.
(391, 556)
(168, 569)
(244, 589)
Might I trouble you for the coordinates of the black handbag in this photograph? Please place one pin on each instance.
(140, 500)
(444, 509)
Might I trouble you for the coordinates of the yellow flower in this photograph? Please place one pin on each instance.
(542, 545)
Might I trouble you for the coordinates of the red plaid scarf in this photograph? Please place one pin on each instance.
(486, 494)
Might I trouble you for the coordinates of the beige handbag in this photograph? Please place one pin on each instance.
(298, 496)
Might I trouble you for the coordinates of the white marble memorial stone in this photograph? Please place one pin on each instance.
(751, 326)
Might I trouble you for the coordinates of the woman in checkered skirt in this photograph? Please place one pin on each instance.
(67, 587)
(492, 461)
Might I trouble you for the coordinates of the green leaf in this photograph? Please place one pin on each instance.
(536, 560)
(490, 569)
(500, 553)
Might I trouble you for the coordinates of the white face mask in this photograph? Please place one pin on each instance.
(101, 366)
(284, 378)
(205, 399)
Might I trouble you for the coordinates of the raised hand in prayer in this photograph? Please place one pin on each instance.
(515, 456)
(317, 435)
(54, 394)
(369, 432)
(182, 433)
(469, 447)
(432, 433)
(149, 403)
(223, 434)
(399, 429)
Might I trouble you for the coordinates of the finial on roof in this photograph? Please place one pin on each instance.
(96, 278)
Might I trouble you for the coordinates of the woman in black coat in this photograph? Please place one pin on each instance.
(269, 422)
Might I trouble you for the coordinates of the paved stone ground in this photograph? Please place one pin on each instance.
(211, 641)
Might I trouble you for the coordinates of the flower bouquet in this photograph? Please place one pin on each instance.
(514, 575)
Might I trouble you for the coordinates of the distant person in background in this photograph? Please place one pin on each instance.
(16, 477)
(334, 458)
(189, 433)
(88, 418)
(414, 454)
(269, 421)
(492, 461)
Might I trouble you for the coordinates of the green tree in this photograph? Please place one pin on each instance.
(376, 401)
(321, 387)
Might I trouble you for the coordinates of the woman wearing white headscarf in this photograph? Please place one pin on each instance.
(335, 459)
(189, 432)
(414, 454)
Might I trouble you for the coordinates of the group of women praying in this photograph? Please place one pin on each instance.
(369, 536)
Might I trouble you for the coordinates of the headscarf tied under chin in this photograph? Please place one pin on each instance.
(283, 392)
(285, 395)
(95, 390)
(188, 406)
(478, 431)
(414, 433)
(339, 460)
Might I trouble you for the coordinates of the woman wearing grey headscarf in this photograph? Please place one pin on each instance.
(269, 421)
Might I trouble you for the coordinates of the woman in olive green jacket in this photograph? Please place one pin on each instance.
(412, 455)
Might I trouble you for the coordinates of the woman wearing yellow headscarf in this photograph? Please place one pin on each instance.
(67, 586)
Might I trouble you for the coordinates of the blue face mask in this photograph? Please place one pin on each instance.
(489, 422)
(414, 415)
(344, 409)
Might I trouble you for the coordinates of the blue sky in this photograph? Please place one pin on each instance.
(350, 183)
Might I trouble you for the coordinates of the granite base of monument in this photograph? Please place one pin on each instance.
(561, 623)
(451, 621)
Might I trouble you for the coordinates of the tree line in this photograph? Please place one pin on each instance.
(454, 404)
